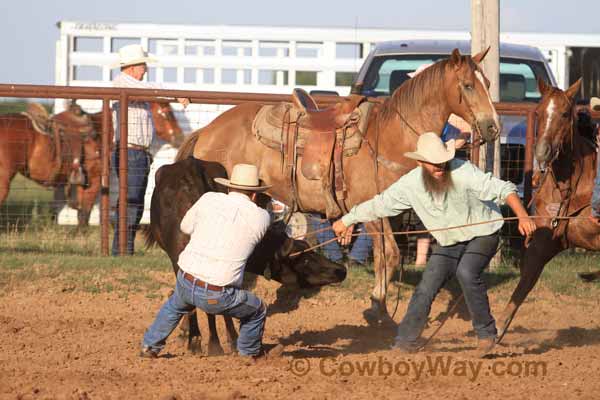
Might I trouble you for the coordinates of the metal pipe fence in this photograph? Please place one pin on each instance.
(518, 164)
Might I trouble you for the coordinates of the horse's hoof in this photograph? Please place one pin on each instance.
(371, 316)
(377, 318)
(501, 332)
(588, 277)
(195, 346)
(215, 349)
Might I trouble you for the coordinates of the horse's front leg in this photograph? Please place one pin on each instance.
(541, 250)
(214, 346)
(386, 257)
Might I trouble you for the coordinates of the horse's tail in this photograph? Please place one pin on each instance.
(187, 147)
(149, 239)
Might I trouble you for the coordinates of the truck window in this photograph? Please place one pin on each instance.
(517, 77)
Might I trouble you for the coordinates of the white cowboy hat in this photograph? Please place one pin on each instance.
(132, 54)
(417, 71)
(244, 177)
(595, 103)
(431, 149)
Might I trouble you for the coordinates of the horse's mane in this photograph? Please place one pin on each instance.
(409, 95)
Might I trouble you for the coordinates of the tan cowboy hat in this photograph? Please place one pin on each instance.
(132, 54)
(595, 104)
(431, 149)
(244, 177)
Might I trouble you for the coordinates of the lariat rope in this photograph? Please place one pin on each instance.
(407, 233)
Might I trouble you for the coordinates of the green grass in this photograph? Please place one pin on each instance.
(72, 261)
(27, 204)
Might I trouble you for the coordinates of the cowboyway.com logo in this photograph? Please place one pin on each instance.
(417, 369)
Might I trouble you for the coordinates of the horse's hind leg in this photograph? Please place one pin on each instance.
(386, 257)
(541, 250)
(232, 335)
(214, 346)
(5, 177)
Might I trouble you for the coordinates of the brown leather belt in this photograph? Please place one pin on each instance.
(136, 147)
(203, 284)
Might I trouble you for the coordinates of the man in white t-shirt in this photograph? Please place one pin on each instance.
(224, 230)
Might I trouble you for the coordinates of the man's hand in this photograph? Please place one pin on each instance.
(183, 101)
(343, 232)
(527, 226)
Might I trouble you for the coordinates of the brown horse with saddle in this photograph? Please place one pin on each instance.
(564, 191)
(328, 160)
(62, 149)
(167, 128)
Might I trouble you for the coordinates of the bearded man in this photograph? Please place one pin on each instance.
(446, 192)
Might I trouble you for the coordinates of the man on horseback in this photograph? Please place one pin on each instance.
(446, 192)
(223, 229)
(132, 61)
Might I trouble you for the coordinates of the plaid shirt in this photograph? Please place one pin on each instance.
(140, 129)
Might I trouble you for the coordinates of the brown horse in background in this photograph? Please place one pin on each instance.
(67, 155)
(84, 196)
(424, 103)
(565, 190)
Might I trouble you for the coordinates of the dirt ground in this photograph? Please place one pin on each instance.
(59, 343)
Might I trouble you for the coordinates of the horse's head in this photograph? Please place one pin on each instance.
(555, 116)
(165, 123)
(469, 97)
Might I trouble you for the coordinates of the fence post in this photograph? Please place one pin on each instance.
(105, 180)
(123, 161)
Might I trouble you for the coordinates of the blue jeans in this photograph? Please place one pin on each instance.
(232, 302)
(596, 194)
(466, 261)
(137, 179)
(361, 246)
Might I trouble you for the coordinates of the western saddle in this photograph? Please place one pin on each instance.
(75, 122)
(320, 137)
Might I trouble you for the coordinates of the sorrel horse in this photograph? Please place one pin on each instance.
(424, 103)
(564, 190)
(67, 155)
(83, 197)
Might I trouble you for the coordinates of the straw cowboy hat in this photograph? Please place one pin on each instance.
(245, 177)
(133, 54)
(595, 104)
(431, 149)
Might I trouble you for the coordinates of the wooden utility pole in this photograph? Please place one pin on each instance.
(485, 32)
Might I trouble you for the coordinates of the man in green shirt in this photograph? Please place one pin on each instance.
(446, 192)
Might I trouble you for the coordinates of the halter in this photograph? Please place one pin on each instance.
(477, 140)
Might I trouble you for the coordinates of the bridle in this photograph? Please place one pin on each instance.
(565, 198)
